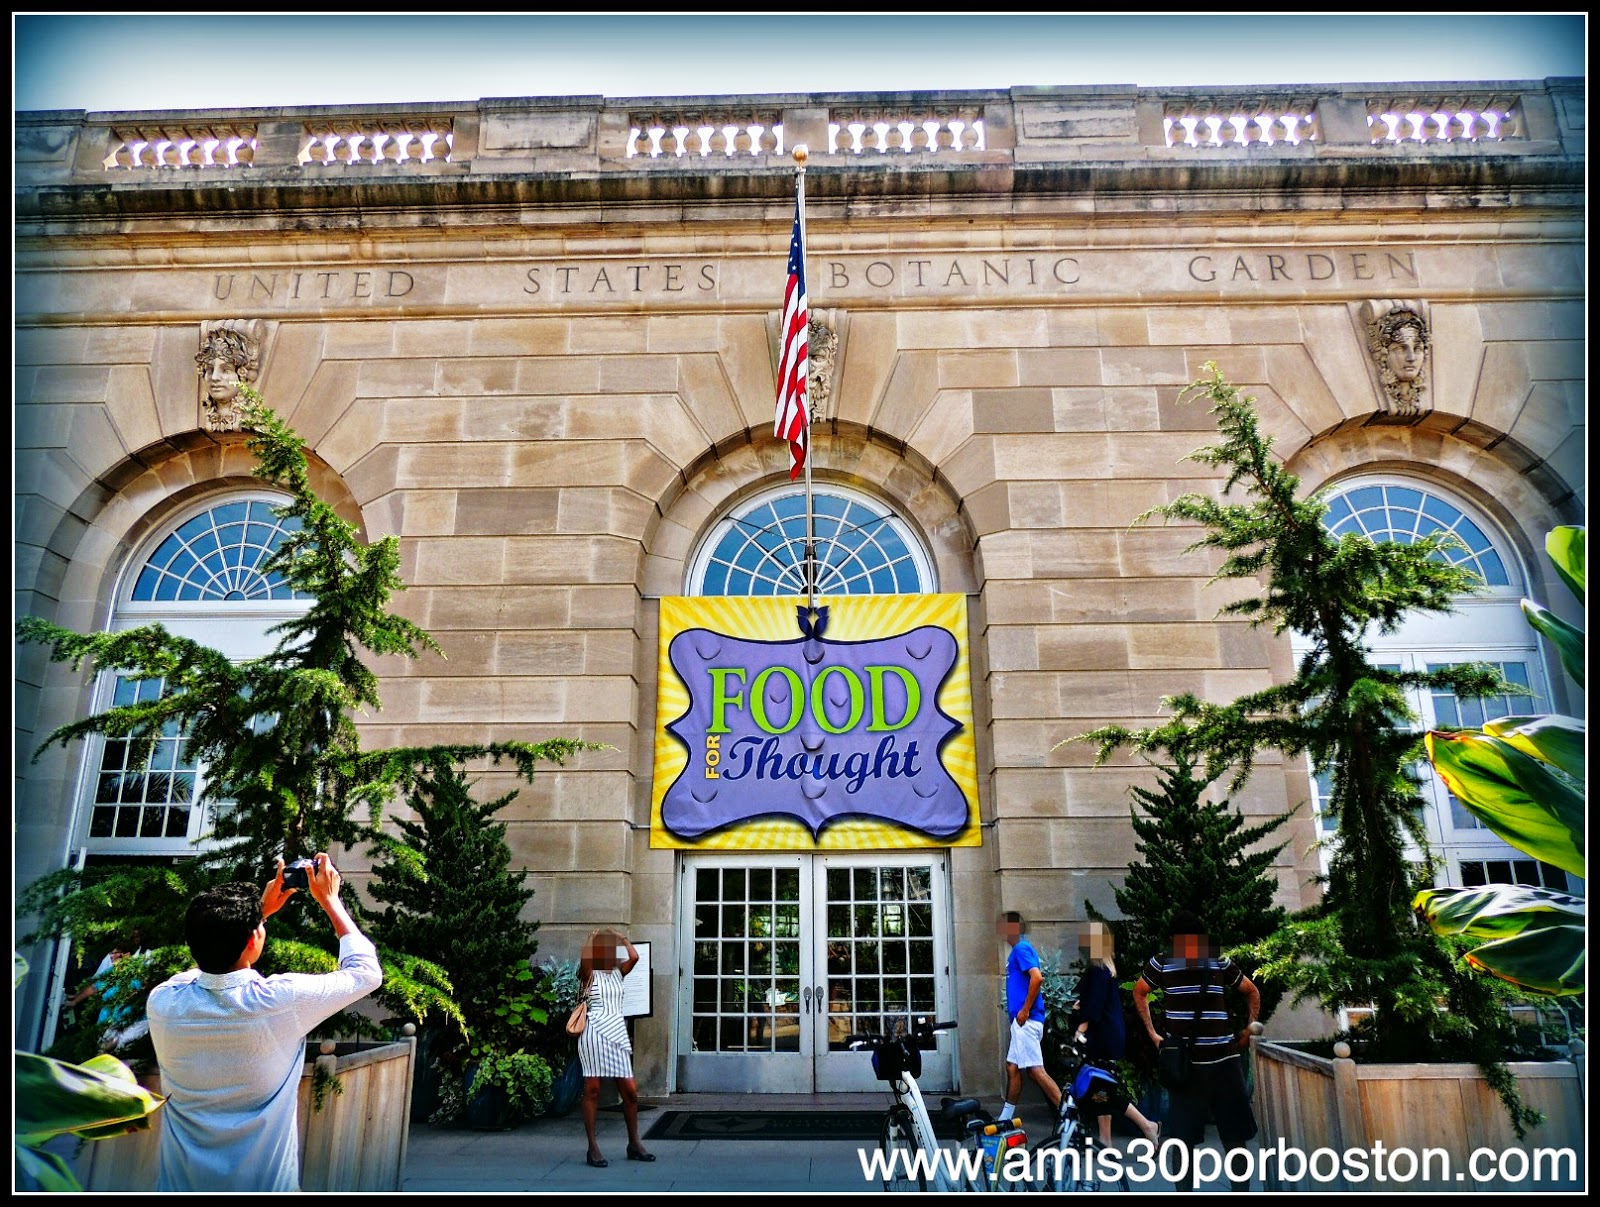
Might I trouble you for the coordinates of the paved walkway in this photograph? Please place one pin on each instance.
(548, 1154)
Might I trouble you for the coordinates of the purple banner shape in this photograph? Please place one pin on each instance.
(816, 730)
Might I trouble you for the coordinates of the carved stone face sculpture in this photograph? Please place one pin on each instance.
(222, 379)
(1399, 342)
(229, 356)
(1405, 353)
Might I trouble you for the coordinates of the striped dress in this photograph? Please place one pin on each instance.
(604, 1049)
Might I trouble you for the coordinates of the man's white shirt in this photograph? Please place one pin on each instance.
(231, 1047)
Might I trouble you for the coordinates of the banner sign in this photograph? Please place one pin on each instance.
(844, 727)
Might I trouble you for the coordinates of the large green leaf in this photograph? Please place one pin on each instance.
(1555, 739)
(1567, 639)
(48, 1170)
(1566, 549)
(1496, 911)
(53, 1097)
(1549, 961)
(1518, 797)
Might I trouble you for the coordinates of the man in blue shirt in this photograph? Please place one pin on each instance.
(1025, 1004)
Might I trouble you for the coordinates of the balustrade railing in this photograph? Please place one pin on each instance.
(1443, 119)
(377, 140)
(1254, 123)
(863, 132)
(156, 146)
(1024, 125)
(704, 134)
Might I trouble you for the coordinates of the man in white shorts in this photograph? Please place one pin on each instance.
(1025, 1003)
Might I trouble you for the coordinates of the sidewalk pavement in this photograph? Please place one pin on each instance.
(549, 1154)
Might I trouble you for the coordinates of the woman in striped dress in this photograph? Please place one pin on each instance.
(604, 1049)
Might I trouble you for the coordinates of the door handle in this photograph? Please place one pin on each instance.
(805, 996)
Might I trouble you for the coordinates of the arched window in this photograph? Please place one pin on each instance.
(217, 556)
(200, 576)
(862, 547)
(1389, 511)
(1487, 627)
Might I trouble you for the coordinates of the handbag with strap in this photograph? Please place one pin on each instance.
(579, 1018)
(1174, 1065)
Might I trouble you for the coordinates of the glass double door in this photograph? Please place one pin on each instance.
(784, 956)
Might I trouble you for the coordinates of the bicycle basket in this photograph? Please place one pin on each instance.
(1094, 1089)
(895, 1059)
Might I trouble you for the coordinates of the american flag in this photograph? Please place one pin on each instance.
(793, 419)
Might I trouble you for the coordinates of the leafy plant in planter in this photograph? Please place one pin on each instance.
(559, 979)
(523, 1079)
(501, 1082)
(1361, 945)
(1524, 778)
(285, 770)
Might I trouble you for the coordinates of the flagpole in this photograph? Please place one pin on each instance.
(811, 545)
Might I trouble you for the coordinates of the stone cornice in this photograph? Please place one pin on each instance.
(760, 195)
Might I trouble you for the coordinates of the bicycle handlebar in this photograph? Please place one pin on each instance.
(857, 1042)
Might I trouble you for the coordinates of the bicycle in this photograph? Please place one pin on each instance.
(1087, 1091)
(907, 1129)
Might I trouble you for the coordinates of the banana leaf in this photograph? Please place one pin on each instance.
(1520, 798)
(1567, 639)
(1497, 911)
(1536, 935)
(47, 1170)
(1549, 961)
(96, 1099)
(1565, 546)
(1555, 739)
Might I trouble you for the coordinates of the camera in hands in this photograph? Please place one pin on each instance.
(298, 874)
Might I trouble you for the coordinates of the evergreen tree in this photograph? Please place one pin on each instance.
(285, 771)
(462, 908)
(1361, 946)
(1196, 855)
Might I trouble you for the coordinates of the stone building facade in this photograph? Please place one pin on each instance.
(535, 339)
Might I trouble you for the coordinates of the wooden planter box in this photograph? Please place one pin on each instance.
(357, 1141)
(1310, 1102)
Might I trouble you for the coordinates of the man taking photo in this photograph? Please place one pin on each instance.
(231, 1043)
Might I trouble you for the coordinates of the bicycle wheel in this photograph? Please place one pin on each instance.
(898, 1144)
(1056, 1171)
(1096, 1184)
(1091, 1169)
(964, 1161)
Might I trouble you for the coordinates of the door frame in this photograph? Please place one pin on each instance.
(812, 1069)
(732, 1072)
(839, 1072)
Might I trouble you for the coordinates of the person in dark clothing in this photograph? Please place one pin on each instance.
(1196, 980)
(1100, 1028)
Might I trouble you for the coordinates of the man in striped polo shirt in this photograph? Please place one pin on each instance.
(1195, 981)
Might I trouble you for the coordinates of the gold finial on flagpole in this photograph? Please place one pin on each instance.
(800, 154)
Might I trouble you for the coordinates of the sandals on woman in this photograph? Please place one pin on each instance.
(638, 1154)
